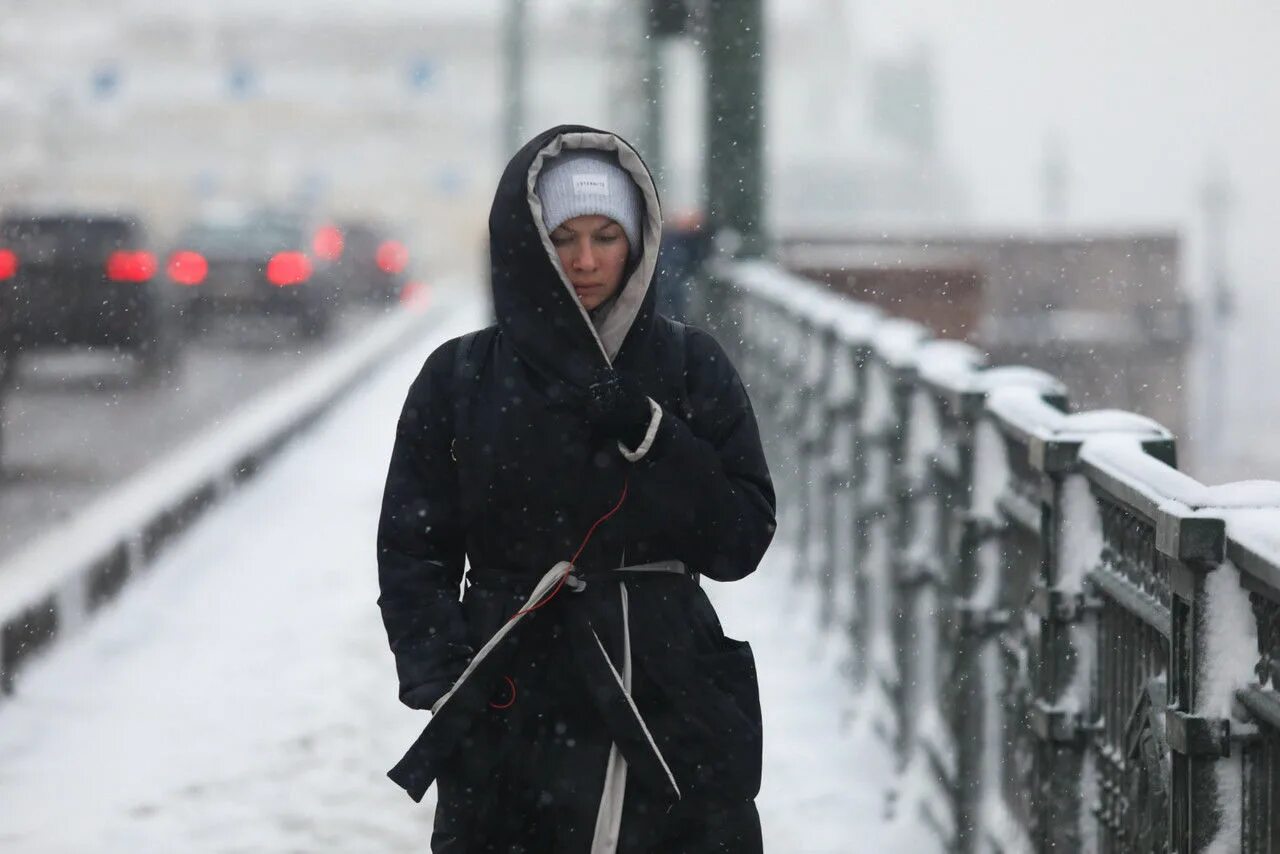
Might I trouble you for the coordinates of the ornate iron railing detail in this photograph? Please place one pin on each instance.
(1078, 644)
(1267, 614)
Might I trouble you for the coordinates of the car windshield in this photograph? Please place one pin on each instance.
(38, 235)
(249, 238)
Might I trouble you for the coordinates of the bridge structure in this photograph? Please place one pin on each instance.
(1068, 643)
(1051, 638)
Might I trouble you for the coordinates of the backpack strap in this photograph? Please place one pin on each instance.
(468, 362)
(679, 361)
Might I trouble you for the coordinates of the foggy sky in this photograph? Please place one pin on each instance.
(1144, 96)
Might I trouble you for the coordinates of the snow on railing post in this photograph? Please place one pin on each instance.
(788, 462)
(1214, 578)
(1037, 710)
(828, 472)
(848, 394)
(1060, 716)
(892, 651)
(1222, 545)
(927, 574)
(1252, 798)
(811, 436)
(1193, 546)
(1098, 656)
(970, 473)
(1141, 622)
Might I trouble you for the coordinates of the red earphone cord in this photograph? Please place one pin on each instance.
(563, 576)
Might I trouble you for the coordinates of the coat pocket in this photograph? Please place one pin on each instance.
(705, 707)
(709, 726)
(733, 759)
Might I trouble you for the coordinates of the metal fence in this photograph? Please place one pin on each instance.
(1077, 644)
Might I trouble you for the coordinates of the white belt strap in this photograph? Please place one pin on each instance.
(675, 567)
(544, 586)
(609, 814)
(613, 793)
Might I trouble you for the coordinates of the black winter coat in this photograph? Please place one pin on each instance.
(495, 462)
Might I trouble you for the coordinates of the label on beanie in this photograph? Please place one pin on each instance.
(591, 185)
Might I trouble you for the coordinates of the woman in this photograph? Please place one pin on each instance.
(590, 458)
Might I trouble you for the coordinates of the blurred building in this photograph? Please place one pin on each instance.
(394, 107)
(1106, 313)
(854, 138)
(388, 108)
(169, 108)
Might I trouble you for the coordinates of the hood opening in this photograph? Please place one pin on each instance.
(616, 321)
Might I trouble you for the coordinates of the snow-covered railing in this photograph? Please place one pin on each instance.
(1071, 645)
(49, 588)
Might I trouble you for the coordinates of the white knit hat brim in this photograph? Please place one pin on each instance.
(585, 183)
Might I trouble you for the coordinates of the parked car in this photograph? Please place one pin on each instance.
(259, 264)
(370, 263)
(82, 279)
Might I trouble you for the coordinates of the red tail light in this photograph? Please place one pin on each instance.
(392, 257)
(415, 294)
(188, 268)
(8, 264)
(328, 243)
(125, 266)
(288, 268)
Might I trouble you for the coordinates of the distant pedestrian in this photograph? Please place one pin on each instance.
(591, 458)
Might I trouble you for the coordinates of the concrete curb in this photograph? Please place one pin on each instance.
(51, 587)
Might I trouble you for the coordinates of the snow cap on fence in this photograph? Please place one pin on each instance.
(948, 364)
(896, 341)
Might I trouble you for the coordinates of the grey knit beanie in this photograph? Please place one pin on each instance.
(578, 182)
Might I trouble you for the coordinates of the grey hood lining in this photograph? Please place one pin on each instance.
(622, 314)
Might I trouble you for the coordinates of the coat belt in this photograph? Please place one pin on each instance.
(509, 582)
(609, 813)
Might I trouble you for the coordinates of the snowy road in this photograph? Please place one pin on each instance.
(79, 423)
(241, 698)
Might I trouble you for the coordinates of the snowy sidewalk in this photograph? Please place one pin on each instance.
(242, 699)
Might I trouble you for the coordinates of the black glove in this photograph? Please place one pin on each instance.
(618, 408)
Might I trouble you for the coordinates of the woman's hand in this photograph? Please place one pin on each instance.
(618, 408)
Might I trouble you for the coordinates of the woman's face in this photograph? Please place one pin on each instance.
(593, 252)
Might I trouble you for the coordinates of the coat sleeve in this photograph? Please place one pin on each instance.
(421, 543)
(706, 478)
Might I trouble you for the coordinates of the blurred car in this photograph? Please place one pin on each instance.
(370, 263)
(258, 264)
(81, 279)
